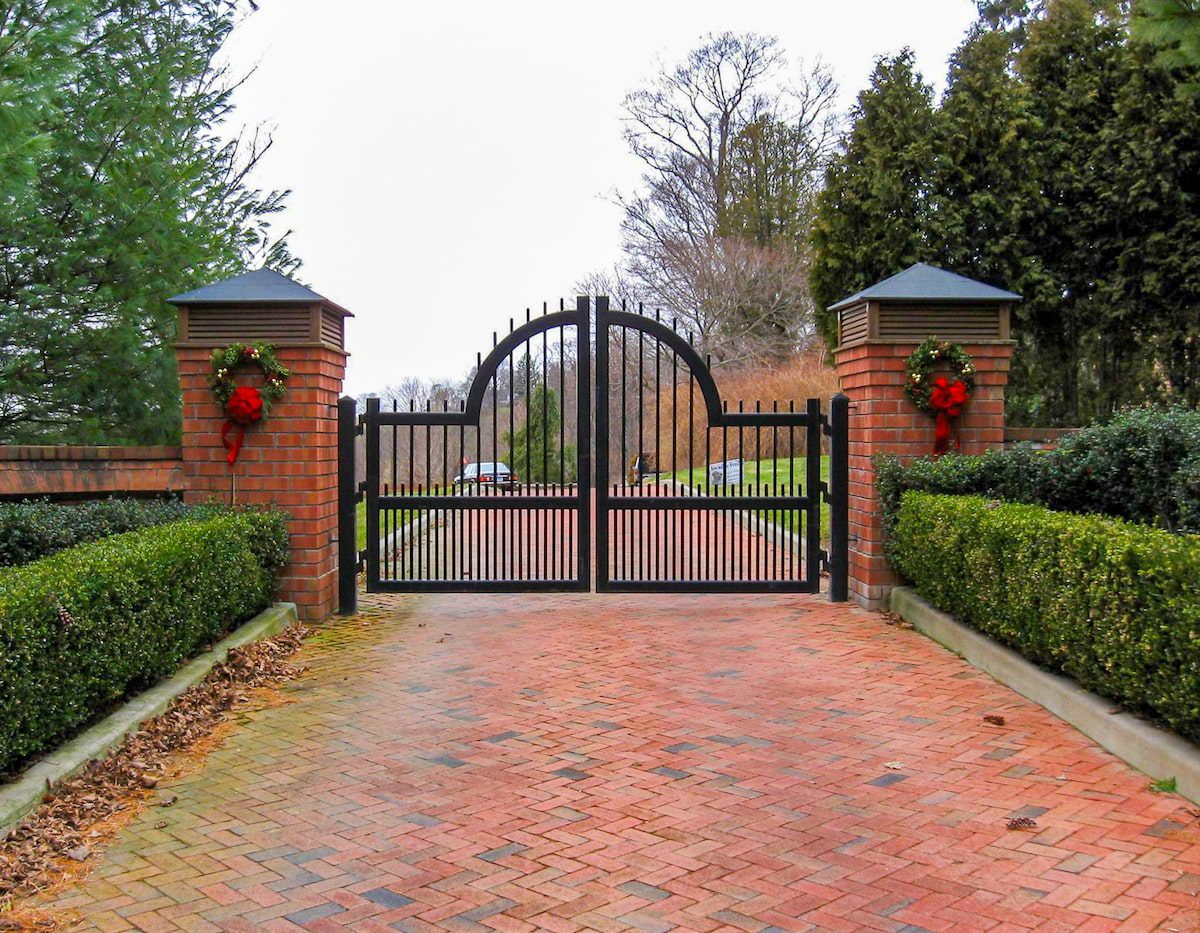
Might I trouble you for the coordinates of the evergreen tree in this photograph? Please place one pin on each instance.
(1152, 144)
(1064, 165)
(1072, 64)
(774, 175)
(1173, 28)
(983, 194)
(35, 59)
(979, 189)
(534, 451)
(773, 183)
(872, 216)
(129, 197)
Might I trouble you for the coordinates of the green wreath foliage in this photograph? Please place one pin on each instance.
(921, 363)
(227, 360)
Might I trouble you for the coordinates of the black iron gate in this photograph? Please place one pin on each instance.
(706, 499)
(446, 509)
(690, 496)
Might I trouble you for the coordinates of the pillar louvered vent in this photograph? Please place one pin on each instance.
(259, 306)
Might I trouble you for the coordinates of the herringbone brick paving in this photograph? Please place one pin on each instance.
(584, 762)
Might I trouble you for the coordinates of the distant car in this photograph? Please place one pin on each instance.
(497, 475)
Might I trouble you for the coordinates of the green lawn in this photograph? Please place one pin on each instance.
(755, 473)
(399, 518)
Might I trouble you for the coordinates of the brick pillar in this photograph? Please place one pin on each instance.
(870, 367)
(290, 458)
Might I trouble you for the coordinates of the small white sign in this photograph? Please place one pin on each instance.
(728, 473)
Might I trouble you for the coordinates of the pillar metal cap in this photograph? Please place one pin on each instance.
(923, 282)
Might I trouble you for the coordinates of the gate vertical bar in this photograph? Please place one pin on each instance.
(602, 403)
(347, 507)
(583, 439)
(812, 520)
(372, 425)
(839, 498)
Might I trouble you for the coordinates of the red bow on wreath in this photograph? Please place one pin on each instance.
(245, 406)
(947, 400)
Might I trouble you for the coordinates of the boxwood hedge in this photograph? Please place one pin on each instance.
(84, 627)
(34, 529)
(1112, 604)
(1142, 465)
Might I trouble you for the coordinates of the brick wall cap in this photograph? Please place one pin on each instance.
(89, 452)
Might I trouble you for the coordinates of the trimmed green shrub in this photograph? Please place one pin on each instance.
(1112, 604)
(1186, 491)
(1142, 465)
(34, 529)
(1127, 467)
(84, 627)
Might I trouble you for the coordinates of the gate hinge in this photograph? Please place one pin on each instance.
(362, 559)
(823, 489)
(823, 556)
(826, 427)
(360, 425)
(361, 492)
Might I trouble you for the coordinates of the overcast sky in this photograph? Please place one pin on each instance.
(452, 164)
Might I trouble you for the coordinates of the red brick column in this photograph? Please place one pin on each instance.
(289, 460)
(883, 420)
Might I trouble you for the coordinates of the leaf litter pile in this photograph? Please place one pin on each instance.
(86, 808)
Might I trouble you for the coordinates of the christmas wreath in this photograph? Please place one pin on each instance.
(942, 397)
(244, 405)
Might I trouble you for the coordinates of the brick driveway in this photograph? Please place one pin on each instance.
(631, 763)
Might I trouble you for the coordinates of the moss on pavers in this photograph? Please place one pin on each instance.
(20, 797)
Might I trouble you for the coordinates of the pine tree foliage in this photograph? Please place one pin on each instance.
(1062, 163)
(872, 215)
(117, 190)
(1173, 28)
(535, 451)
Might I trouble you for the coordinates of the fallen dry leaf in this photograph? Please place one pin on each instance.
(34, 855)
(892, 618)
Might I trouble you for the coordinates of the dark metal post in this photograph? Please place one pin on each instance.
(347, 507)
(839, 504)
(812, 522)
(583, 439)
(602, 402)
(372, 426)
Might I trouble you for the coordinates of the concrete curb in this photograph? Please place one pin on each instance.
(1155, 751)
(20, 797)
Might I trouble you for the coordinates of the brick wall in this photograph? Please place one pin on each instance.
(883, 420)
(1040, 438)
(289, 459)
(90, 472)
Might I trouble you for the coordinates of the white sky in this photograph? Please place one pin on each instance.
(452, 164)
